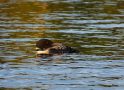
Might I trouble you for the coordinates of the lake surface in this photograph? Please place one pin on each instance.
(95, 27)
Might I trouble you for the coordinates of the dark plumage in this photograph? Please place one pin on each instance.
(45, 46)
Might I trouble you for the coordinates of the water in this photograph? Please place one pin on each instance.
(95, 27)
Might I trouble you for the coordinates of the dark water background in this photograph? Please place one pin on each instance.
(95, 27)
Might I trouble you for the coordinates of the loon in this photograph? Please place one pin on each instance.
(47, 47)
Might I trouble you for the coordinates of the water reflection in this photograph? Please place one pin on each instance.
(94, 27)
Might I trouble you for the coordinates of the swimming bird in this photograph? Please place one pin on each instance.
(47, 47)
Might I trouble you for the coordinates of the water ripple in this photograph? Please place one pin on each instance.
(94, 27)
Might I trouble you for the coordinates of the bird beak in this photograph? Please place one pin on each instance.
(37, 49)
(42, 52)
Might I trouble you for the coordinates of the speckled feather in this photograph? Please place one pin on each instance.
(61, 48)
